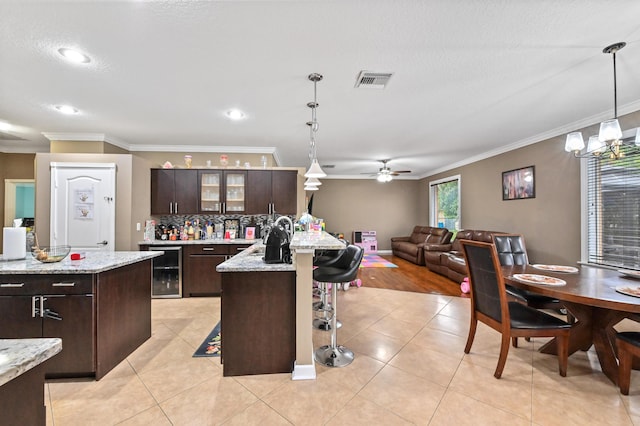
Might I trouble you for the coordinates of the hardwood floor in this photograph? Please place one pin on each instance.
(408, 277)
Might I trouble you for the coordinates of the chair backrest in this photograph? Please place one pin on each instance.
(488, 294)
(511, 249)
(350, 260)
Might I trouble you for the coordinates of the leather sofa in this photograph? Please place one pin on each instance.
(448, 259)
(411, 248)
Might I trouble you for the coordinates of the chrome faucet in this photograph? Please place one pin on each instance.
(287, 219)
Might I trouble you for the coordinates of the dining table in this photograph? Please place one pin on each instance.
(598, 298)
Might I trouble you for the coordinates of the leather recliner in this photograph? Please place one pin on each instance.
(448, 259)
(411, 248)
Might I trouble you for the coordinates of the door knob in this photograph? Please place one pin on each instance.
(103, 243)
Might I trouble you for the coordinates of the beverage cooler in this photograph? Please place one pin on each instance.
(167, 272)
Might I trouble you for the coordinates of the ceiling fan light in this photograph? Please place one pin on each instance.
(596, 146)
(610, 131)
(312, 182)
(315, 171)
(384, 178)
(574, 142)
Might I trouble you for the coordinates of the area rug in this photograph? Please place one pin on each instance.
(211, 345)
(372, 260)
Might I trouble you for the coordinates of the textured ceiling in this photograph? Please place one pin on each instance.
(469, 77)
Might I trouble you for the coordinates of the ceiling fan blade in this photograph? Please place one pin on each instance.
(402, 171)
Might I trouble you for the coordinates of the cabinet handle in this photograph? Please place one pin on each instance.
(176, 208)
(63, 284)
(33, 306)
(208, 248)
(170, 208)
(12, 285)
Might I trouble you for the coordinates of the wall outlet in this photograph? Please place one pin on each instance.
(138, 226)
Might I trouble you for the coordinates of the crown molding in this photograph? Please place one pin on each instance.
(90, 137)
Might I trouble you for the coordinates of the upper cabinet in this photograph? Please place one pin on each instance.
(272, 191)
(174, 191)
(216, 191)
(222, 191)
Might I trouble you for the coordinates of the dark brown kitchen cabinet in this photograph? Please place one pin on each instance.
(174, 191)
(272, 191)
(222, 191)
(101, 317)
(60, 307)
(199, 275)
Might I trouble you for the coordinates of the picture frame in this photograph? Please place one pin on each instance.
(231, 227)
(519, 184)
(250, 233)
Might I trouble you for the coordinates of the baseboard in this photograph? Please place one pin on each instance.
(303, 372)
(384, 252)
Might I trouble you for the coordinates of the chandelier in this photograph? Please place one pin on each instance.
(315, 171)
(608, 142)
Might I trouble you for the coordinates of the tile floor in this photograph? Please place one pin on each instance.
(409, 369)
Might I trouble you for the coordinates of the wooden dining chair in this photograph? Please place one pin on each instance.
(628, 344)
(489, 304)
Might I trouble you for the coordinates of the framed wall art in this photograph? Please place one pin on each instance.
(519, 184)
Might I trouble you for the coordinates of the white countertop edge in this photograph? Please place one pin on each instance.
(18, 356)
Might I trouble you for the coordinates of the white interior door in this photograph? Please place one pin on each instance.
(83, 205)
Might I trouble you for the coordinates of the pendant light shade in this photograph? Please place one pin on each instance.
(310, 188)
(315, 171)
(312, 182)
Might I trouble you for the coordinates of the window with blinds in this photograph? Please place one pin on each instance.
(613, 210)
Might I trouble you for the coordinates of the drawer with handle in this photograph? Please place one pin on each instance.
(24, 285)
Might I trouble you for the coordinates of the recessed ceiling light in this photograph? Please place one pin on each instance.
(67, 109)
(4, 126)
(235, 114)
(74, 56)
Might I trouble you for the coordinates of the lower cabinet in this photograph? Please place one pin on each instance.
(101, 317)
(199, 275)
(51, 314)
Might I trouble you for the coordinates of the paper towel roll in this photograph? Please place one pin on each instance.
(14, 243)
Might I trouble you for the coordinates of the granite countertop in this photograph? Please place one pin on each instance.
(190, 242)
(313, 240)
(18, 356)
(250, 259)
(94, 262)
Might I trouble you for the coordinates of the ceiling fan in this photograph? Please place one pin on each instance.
(385, 174)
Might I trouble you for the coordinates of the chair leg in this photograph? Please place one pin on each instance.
(563, 353)
(624, 368)
(472, 334)
(504, 351)
(514, 342)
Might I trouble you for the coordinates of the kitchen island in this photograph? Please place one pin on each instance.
(22, 379)
(99, 306)
(267, 309)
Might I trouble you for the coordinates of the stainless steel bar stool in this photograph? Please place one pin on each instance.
(343, 271)
(324, 306)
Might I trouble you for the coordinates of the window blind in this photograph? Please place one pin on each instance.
(613, 209)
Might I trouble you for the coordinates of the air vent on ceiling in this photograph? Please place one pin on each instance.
(9, 137)
(373, 80)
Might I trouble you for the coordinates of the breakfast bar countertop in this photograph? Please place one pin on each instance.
(196, 242)
(250, 260)
(93, 263)
(18, 356)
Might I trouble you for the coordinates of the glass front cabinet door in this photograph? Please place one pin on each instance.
(211, 192)
(234, 192)
(222, 191)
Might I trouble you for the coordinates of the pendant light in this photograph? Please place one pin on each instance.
(609, 138)
(315, 171)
